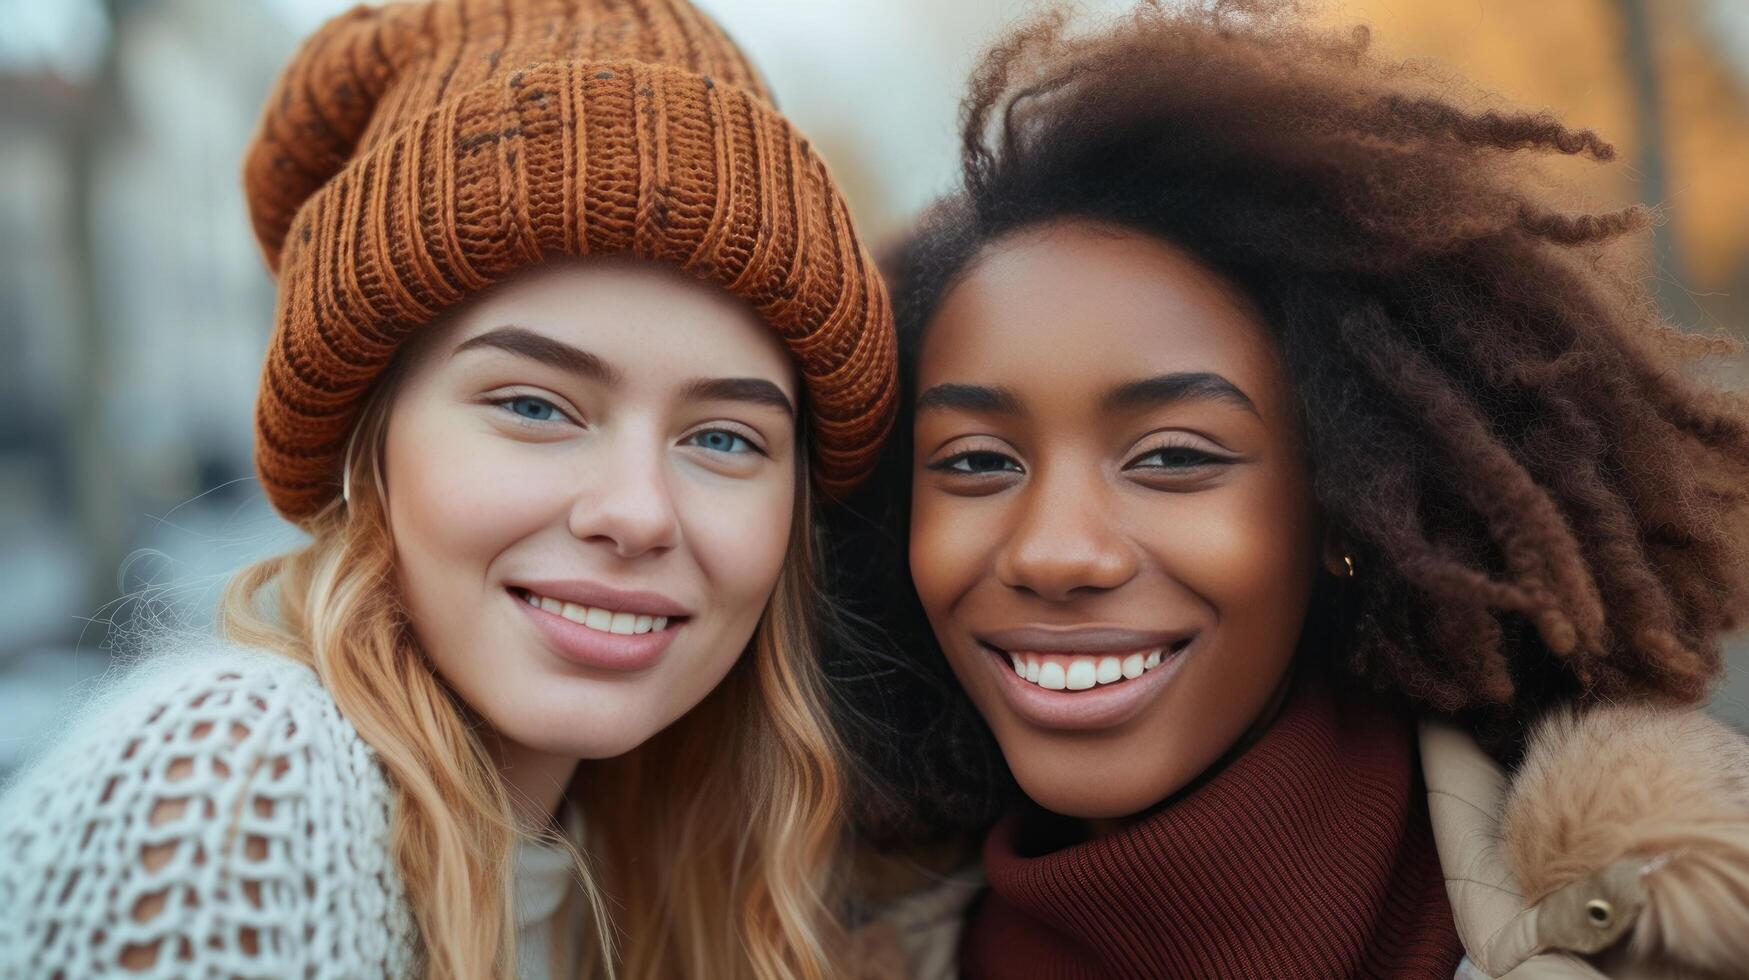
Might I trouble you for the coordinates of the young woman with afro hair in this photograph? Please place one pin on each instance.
(1317, 544)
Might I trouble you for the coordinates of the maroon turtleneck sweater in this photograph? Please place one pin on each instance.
(1310, 855)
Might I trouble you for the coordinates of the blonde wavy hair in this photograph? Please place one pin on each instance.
(711, 848)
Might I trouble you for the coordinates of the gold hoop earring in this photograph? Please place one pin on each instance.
(1349, 562)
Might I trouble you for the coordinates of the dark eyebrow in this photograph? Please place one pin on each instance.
(758, 391)
(538, 347)
(1166, 389)
(969, 398)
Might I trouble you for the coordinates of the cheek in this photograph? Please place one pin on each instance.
(1248, 552)
(740, 537)
(458, 497)
(1242, 547)
(949, 538)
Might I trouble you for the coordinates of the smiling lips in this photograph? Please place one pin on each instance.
(1083, 658)
(1083, 679)
(592, 625)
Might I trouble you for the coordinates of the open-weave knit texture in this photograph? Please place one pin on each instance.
(278, 864)
(413, 154)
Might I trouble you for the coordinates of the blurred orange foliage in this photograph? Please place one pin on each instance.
(1573, 57)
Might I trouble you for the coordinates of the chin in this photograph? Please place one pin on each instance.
(579, 729)
(580, 744)
(1073, 785)
(1087, 799)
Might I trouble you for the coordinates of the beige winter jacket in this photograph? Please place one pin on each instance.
(1639, 815)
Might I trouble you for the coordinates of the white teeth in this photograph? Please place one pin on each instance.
(605, 620)
(1051, 676)
(1081, 673)
(1110, 670)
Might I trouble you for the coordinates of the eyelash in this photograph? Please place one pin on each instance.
(1201, 457)
(948, 465)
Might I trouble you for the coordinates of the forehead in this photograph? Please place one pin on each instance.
(640, 316)
(1074, 305)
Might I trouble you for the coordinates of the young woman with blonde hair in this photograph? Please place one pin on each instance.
(549, 649)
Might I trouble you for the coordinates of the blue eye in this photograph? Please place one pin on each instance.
(721, 441)
(531, 408)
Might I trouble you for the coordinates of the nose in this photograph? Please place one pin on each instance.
(1065, 542)
(627, 503)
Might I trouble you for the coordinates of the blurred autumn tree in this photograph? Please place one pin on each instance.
(1666, 81)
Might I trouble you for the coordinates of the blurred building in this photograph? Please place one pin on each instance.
(133, 313)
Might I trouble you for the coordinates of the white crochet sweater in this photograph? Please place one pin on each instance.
(277, 863)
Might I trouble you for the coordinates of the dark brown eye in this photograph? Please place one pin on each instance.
(1175, 458)
(977, 463)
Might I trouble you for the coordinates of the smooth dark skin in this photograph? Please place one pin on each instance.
(1052, 503)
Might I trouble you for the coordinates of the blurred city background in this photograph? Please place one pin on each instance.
(134, 306)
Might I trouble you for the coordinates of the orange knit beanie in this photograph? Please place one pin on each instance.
(416, 153)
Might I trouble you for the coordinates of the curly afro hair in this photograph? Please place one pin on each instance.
(1544, 501)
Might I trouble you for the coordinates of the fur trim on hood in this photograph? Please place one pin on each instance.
(1627, 826)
